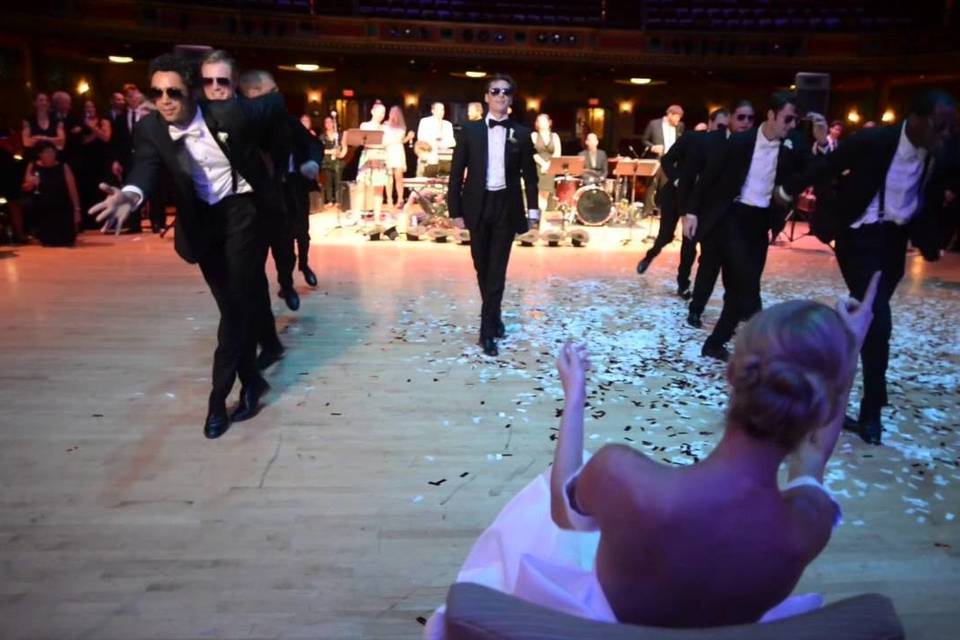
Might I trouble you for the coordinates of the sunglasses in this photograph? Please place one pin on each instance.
(220, 82)
(500, 91)
(173, 93)
(745, 116)
(789, 119)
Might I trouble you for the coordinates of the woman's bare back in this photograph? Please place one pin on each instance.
(691, 546)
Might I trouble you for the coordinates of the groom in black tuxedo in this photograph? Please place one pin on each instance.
(212, 151)
(495, 153)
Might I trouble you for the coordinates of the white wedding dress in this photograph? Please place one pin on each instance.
(523, 553)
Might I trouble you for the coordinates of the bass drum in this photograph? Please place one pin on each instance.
(567, 191)
(593, 205)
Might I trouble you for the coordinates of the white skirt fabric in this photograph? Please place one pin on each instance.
(523, 553)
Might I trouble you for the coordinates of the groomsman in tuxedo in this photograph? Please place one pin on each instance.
(495, 153)
(211, 150)
(703, 147)
(885, 192)
(733, 206)
(671, 165)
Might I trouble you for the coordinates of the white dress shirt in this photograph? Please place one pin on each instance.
(209, 168)
(439, 133)
(902, 197)
(669, 134)
(758, 187)
(496, 156)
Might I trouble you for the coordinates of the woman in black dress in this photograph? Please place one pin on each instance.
(333, 153)
(92, 159)
(54, 203)
(42, 126)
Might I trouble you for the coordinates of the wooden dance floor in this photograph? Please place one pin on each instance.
(389, 442)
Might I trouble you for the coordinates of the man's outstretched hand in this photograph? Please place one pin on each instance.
(116, 206)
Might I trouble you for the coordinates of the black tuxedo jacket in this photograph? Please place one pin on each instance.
(724, 174)
(848, 179)
(653, 134)
(699, 147)
(292, 138)
(121, 140)
(465, 197)
(246, 126)
(601, 165)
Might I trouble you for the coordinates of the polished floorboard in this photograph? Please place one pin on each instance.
(388, 441)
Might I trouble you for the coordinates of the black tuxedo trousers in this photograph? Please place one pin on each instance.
(491, 239)
(669, 217)
(742, 237)
(233, 269)
(860, 253)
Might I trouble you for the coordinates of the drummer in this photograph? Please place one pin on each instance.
(594, 161)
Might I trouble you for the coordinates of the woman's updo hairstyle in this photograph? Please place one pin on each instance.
(788, 369)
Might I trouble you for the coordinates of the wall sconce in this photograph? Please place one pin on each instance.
(888, 116)
(626, 106)
(533, 104)
(82, 87)
(853, 116)
(411, 100)
(314, 96)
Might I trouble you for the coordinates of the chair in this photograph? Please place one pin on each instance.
(475, 612)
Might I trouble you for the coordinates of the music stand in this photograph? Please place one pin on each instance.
(363, 138)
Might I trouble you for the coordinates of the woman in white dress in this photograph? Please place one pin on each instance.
(623, 538)
(372, 167)
(395, 135)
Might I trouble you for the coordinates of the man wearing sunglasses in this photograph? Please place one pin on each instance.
(211, 151)
(888, 190)
(671, 166)
(707, 146)
(496, 154)
(733, 207)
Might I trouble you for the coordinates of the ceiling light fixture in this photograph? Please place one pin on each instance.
(120, 59)
(641, 80)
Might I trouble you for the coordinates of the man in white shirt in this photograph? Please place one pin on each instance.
(885, 197)
(438, 133)
(211, 151)
(733, 211)
(659, 136)
(494, 154)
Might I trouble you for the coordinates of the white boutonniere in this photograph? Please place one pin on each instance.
(510, 137)
(222, 136)
(788, 143)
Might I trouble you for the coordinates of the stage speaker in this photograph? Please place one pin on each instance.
(813, 92)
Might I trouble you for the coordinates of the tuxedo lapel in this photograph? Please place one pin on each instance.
(220, 135)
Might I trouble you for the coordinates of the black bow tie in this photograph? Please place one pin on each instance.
(497, 123)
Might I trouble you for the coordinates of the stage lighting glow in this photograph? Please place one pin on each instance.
(307, 67)
(82, 87)
(120, 59)
(626, 106)
(533, 104)
(641, 80)
(476, 74)
(888, 116)
(853, 116)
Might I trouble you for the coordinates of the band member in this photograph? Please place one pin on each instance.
(437, 134)
(395, 136)
(495, 153)
(884, 197)
(475, 111)
(211, 150)
(671, 166)
(733, 206)
(334, 150)
(708, 268)
(658, 137)
(594, 159)
(372, 167)
(546, 145)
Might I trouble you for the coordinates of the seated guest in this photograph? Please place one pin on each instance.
(625, 539)
(594, 159)
(54, 205)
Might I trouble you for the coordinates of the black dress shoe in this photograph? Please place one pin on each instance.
(693, 319)
(309, 276)
(249, 403)
(684, 292)
(501, 329)
(291, 298)
(871, 430)
(217, 423)
(489, 346)
(268, 356)
(851, 425)
(643, 265)
(717, 351)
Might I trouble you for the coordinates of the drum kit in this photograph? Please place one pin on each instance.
(587, 197)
